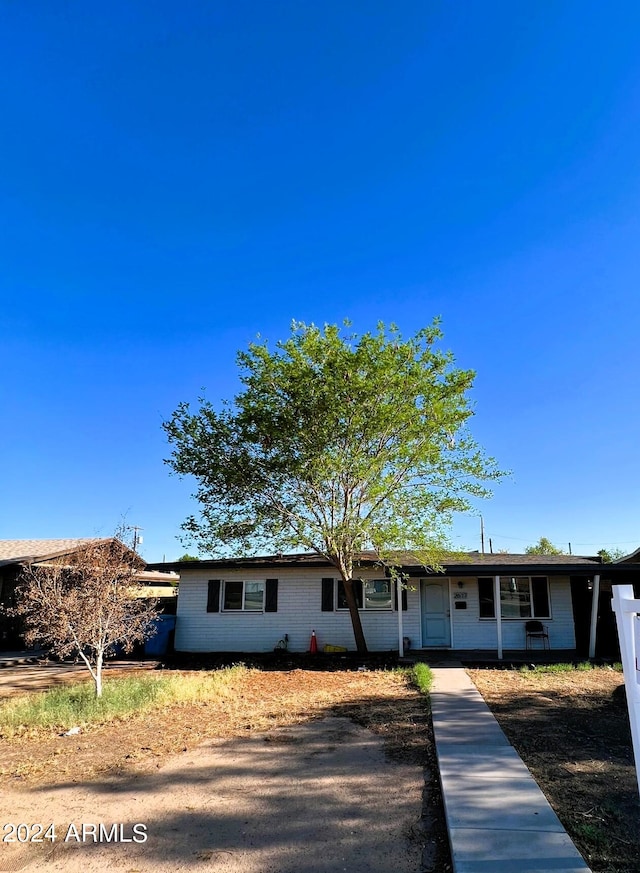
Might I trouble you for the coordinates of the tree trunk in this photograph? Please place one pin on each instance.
(98, 676)
(358, 633)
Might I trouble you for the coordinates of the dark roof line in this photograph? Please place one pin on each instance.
(491, 564)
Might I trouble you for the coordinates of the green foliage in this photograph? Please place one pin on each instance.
(581, 667)
(336, 444)
(543, 547)
(188, 557)
(422, 677)
(594, 835)
(77, 705)
(609, 555)
(557, 668)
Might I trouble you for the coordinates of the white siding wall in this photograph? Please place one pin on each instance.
(299, 612)
(469, 631)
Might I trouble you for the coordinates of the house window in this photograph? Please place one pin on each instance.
(377, 594)
(245, 596)
(370, 594)
(520, 597)
(342, 597)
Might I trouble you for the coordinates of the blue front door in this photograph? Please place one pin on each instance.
(436, 621)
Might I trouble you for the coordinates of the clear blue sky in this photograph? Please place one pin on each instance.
(178, 177)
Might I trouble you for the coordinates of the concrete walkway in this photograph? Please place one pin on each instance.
(499, 821)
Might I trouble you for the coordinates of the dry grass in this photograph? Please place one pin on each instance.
(386, 702)
(73, 705)
(256, 701)
(572, 730)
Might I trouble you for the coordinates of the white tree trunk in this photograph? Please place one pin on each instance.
(98, 676)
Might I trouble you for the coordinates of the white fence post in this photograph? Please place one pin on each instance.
(626, 609)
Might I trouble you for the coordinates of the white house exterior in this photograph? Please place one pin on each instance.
(248, 605)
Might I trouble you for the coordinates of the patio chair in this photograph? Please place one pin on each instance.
(535, 630)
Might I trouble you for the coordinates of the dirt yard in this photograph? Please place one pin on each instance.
(187, 766)
(572, 731)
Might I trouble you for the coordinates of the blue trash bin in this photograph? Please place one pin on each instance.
(158, 644)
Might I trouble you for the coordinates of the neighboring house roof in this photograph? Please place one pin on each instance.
(470, 563)
(165, 582)
(23, 551)
(625, 559)
(17, 551)
(152, 576)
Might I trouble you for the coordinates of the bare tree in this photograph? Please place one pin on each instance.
(86, 603)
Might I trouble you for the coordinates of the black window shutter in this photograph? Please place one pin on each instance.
(327, 595)
(395, 598)
(486, 592)
(271, 596)
(540, 592)
(213, 595)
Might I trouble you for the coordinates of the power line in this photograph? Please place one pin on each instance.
(598, 543)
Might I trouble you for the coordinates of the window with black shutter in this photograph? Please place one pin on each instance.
(271, 596)
(245, 596)
(327, 595)
(213, 595)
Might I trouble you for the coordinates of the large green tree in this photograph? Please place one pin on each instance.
(544, 546)
(336, 443)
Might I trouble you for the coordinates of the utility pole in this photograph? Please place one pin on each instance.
(137, 539)
(482, 533)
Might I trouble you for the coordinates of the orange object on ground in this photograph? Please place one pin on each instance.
(313, 645)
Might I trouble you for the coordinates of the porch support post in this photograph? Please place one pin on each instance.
(594, 616)
(498, 608)
(400, 631)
